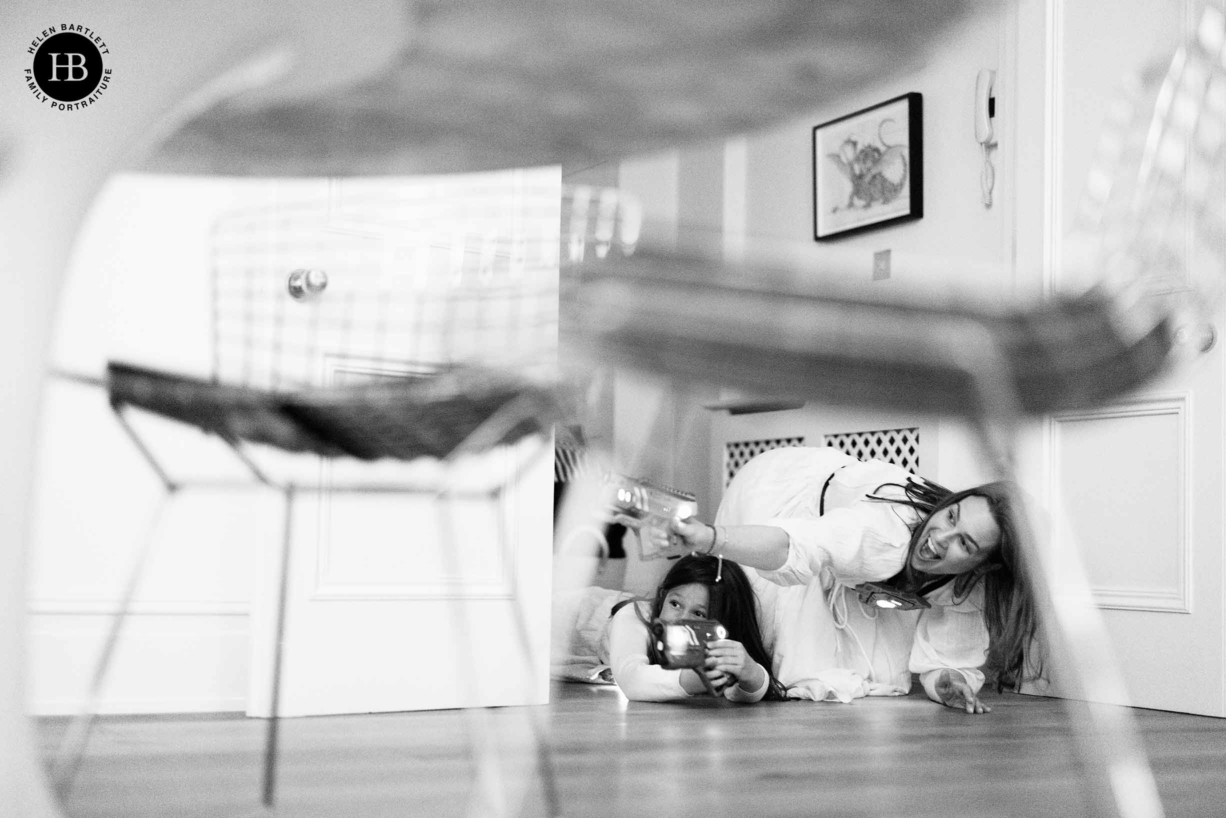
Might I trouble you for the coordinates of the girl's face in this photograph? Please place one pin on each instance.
(686, 602)
(957, 539)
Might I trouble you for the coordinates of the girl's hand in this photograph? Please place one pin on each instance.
(728, 656)
(692, 683)
(956, 693)
(718, 679)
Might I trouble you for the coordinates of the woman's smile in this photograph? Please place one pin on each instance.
(927, 551)
(959, 538)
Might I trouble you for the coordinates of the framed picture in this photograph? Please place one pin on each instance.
(868, 168)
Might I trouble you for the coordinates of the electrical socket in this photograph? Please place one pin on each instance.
(881, 265)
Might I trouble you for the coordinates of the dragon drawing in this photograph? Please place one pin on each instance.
(877, 173)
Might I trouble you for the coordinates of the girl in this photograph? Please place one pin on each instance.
(815, 523)
(696, 587)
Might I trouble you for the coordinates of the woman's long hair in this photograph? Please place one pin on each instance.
(1009, 609)
(731, 603)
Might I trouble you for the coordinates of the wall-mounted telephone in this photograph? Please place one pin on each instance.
(985, 107)
(985, 133)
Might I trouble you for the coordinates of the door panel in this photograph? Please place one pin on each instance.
(1135, 486)
(408, 602)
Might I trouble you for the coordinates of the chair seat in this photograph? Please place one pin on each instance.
(402, 419)
(492, 84)
(814, 337)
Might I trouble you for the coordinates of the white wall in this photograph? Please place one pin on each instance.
(757, 191)
(958, 240)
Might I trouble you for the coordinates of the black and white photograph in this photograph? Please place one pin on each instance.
(598, 408)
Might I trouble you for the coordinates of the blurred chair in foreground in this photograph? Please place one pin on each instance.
(426, 333)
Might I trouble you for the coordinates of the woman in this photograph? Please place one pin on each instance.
(816, 523)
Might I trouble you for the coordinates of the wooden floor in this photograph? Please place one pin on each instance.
(900, 757)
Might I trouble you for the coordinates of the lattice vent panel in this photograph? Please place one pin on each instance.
(897, 446)
(738, 452)
(569, 462)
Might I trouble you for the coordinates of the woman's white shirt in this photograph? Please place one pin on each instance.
(855, 540)
(950, 635)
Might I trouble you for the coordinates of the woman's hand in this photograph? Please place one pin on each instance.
(954, 692)
(681, 537)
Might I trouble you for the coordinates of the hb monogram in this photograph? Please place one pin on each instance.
(71, 65)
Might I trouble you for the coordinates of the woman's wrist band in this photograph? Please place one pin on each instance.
(714, 541)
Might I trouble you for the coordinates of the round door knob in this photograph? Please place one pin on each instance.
(304, 284)
(1201, 337)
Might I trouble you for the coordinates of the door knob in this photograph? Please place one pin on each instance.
(304, 284)
(1201, 337)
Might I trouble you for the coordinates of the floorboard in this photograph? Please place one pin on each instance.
(875, 757)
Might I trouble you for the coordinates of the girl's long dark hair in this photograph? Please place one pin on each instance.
(732, 604)
(1009, 609)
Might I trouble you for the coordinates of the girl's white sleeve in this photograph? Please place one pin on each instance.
(953, 637)
(632, 671)
(735, 693)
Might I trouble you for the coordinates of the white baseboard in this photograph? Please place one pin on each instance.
(165, 663)
(113, 706)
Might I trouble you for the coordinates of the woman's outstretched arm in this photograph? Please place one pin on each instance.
(764, 547)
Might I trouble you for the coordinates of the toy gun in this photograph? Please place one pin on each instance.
(639, 504)
(883, 596)
(683, 644)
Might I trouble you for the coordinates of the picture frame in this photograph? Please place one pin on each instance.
(868, 168)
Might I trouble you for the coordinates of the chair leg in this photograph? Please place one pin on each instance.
(274, 718)
(540, 730)
(490, 790)
(490, 785)
(71, 751)
(1121, 782)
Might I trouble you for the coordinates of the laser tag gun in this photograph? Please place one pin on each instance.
(683, 644)
(639, 504)
(885, 596)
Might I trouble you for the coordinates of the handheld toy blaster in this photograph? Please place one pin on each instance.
(683, 644)
(639, 504)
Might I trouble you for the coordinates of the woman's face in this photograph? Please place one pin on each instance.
(686, 602)
(957, 539)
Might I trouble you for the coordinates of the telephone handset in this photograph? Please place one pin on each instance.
(985, 107)
(985, 134)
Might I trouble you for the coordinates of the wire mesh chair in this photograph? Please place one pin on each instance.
(774, 321)
(426, 331)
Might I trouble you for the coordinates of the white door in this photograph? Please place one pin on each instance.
(1138, 481)
(406, 601)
